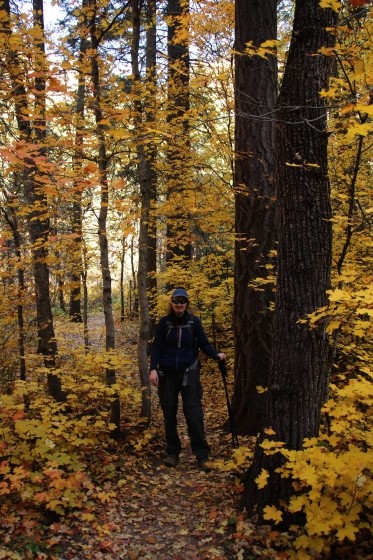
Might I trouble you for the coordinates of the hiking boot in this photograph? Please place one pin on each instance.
(204, 465)
(171, 460)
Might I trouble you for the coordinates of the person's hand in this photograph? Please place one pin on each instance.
(221, 356)
(153, 376)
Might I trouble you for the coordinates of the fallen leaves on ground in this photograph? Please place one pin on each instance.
(144, 509)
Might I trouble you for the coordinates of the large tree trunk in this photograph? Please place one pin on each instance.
(255, 99)
(178, 172)
(102, 218)
(299, 364)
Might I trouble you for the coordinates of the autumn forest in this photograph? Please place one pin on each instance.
(222, 146)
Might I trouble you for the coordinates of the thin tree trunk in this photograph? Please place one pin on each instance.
(60, 288)
(77, 219)
(122, 259)
(146, 176)
(150, 116)
(59, 293)
(134, 302)
(39, 221)
(102, 219)
(12, 221)
(85, 300)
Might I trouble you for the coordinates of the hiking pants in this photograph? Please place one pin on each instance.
(169, 388)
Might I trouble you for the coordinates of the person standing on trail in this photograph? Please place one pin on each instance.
(174, 369)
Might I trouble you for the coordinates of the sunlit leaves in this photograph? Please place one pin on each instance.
(57, 445)
(334, 471)
(271, 447)
(265, 49)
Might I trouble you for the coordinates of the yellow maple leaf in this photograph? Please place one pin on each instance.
(347, 109)
(348, 531)
(268, 445)
(332, 4)
(331, 93)
(88, 516)
(332, 326)
(261, 389)
(271, 513)
(297, 503)
(262, 479)
(358, 129)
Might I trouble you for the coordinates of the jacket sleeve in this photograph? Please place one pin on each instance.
(157, 346)
(203, 342)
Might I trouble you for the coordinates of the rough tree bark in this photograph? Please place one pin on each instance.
(299, 363)
(177, 176)
(150, 116)
(255, 100)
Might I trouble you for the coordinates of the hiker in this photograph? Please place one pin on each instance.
(174, 369)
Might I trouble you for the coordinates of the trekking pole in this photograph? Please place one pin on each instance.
(223, 371)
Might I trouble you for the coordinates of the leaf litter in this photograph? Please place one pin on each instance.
(148, 510)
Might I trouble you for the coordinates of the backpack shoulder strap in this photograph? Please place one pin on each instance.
(170, 326)
(191, 326)
(188, 325)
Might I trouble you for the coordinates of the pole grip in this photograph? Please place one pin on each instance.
(223, 368)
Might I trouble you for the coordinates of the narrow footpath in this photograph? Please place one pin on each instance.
(153, 511)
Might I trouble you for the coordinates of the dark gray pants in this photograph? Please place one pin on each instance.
(191, 393)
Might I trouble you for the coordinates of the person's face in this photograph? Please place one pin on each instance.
(179, 305)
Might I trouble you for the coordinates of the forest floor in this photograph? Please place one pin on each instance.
(152, 511)
(167, 513)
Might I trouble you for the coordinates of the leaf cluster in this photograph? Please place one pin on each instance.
(53, 455)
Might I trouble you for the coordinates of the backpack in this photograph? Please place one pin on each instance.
(189, 325)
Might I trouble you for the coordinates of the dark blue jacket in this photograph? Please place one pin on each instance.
(176, 343)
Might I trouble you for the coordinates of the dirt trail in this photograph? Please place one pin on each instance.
(172, 514)
(154, 511)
